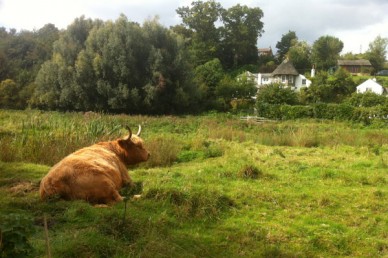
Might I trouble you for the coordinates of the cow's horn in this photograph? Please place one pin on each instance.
(130, 132)
(139, 131)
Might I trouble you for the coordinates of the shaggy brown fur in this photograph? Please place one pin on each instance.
(95, 173)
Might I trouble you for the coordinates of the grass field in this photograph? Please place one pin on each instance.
(215, 186)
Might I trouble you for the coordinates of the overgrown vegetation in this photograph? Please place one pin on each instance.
(215, 186)
(124, 67)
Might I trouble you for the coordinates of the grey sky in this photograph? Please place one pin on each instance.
(355, 22)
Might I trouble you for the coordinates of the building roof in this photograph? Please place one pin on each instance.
(370, 83)
(285, 68)
(359, 62)
(265, 49)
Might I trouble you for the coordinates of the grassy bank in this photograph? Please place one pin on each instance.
(214, 187)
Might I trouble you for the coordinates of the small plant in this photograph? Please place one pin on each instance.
(213, 150)
(164, 151)
(250, 172)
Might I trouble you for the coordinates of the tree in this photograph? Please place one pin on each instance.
(21, 56)
(120, 66)
(285, 44)
(9, 94)
(300, 54)
(377, 52)
(201, 19)
(326, 88)
(325, 52)
(242, 28)
(208, 76)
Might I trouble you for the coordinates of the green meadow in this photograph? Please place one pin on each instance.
(215, 186)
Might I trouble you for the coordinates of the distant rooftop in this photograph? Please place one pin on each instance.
(285, 68)
(360, 62)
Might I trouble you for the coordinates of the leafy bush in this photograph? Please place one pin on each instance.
(276, 94)
(367, 99)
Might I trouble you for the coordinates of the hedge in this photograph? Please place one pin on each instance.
(323, 111)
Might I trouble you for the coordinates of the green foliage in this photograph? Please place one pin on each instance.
(118, 67)
(208, 76)
(325, 52)
(299, 54)
(242, 27)
(377, 52)
(15, 230)
(276, 94)
(201, 20)
(9, 94)
(342, 112)
(21, 55)
(235, 93)
(367, 99)
(330, 88)
(285, 43)
(233, 42)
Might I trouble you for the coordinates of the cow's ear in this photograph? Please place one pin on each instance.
(125, 143)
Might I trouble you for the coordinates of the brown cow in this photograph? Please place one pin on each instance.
(95, 173)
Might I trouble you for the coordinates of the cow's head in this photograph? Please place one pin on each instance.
(134, 151)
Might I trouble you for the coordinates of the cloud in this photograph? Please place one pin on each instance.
(355, 22)
(350, 20)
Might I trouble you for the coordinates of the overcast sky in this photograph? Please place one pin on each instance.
(355, 22)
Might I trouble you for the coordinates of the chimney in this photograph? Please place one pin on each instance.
(313, 71)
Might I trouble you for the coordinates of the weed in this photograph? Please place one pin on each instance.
(250, 172)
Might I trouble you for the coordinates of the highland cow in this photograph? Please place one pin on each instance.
(96, 173)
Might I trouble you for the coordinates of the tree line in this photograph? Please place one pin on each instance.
(323, 53)
(123, 66)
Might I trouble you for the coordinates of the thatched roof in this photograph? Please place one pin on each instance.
(360, 62)
(285, 68)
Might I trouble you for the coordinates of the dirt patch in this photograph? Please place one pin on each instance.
(23, 188)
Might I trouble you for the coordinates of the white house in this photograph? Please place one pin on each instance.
(285, 74)
(370, 85)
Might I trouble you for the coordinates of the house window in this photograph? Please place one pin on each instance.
(303, 81)
(291, 79)
(283, 78)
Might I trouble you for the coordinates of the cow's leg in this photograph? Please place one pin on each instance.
(97, 189)
(109, 194)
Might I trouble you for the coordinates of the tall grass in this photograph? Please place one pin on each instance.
(46, 138)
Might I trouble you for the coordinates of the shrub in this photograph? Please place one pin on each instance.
(295, 112)
(342, 111)
(367, 99)
(276, 94)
